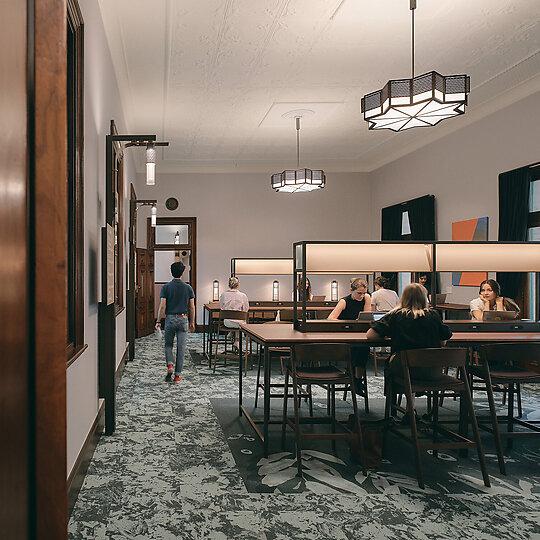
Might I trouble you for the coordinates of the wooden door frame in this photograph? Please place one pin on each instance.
(151, 242)
(33, 305)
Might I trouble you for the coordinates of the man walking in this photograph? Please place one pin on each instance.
(178, 306)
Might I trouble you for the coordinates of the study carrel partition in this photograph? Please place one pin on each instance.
(432, 257)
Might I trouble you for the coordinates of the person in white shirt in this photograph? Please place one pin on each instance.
(383, 299)
(234, 300)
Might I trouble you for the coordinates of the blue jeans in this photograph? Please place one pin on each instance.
(176, 325)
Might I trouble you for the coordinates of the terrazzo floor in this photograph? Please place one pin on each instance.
(168, 472)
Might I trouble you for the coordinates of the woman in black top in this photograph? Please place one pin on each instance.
(412, 325)
(348, 308)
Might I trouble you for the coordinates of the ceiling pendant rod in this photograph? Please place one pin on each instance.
(413, 7)
(297, 118)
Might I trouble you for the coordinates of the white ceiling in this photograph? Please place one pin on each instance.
(213, 77)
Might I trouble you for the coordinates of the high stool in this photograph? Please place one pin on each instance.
(396, 382)
(503, 364)
(315, 364)
(237, 316)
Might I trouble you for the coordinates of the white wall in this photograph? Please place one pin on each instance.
(240, 216)
(102, 103)
(462, 170)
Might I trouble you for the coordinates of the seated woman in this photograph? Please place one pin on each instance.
(383, 299)
(412, 325)
(233, 300)
(309, 296)
(490, 299)
(348, 309)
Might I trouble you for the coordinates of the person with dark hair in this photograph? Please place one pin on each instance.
(309, 296)
(177, 305)
(383, 299)
(423, 279)
(490, 299)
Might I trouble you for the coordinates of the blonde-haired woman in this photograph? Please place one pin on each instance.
(412, 325)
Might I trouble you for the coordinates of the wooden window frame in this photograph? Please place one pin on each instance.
(75, 181)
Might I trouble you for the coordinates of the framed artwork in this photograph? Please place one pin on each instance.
(471, 229)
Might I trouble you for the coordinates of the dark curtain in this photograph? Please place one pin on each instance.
(422, 218)
(514, 189)
(422, 222)
(391, 230)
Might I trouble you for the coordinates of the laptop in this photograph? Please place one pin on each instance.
(315, 298)
(370, 315)
(499, 315)
(439, 298)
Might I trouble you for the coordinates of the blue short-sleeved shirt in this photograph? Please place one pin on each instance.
(178, 294)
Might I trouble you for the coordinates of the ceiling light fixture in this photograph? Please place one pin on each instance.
(421, 101)
(295, 181)
(150, 164)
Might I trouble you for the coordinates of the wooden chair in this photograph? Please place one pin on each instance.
(499, 364)
(284, 354)
(222, 330)
(399, 381)
(316, 364)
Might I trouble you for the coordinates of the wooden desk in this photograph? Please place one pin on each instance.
(284, 335)
(212, 308)
(455, 308)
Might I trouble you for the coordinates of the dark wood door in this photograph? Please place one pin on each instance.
(144, 298)
(33, 244)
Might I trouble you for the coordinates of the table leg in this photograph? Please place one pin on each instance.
(204, 331)
(266, 398)
(240, 375)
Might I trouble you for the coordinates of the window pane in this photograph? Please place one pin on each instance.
(534, 199)
(405, 225)
(166, 234)
(534, 234)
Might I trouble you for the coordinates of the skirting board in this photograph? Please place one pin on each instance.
(121, 366)
(76, 477)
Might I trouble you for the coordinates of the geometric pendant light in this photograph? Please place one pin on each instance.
(421, 101)
(299, 180)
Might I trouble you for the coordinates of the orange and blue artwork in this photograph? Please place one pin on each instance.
(471, 229)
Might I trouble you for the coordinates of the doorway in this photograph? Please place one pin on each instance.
(171, 240)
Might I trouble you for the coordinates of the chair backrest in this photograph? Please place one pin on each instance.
(504, 353)
(233, 314)
(439, 357)
(326, 353)
(287, 314)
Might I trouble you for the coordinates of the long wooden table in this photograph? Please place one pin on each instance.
(270, 307)
(284, 335)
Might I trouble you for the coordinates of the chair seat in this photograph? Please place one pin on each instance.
(316, 373)
(506, 374)
(445, 382)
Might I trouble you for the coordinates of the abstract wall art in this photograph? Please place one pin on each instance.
(470, 229)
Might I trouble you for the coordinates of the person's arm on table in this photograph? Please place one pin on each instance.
(367, 303)
(336, 312)
(372, 335)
